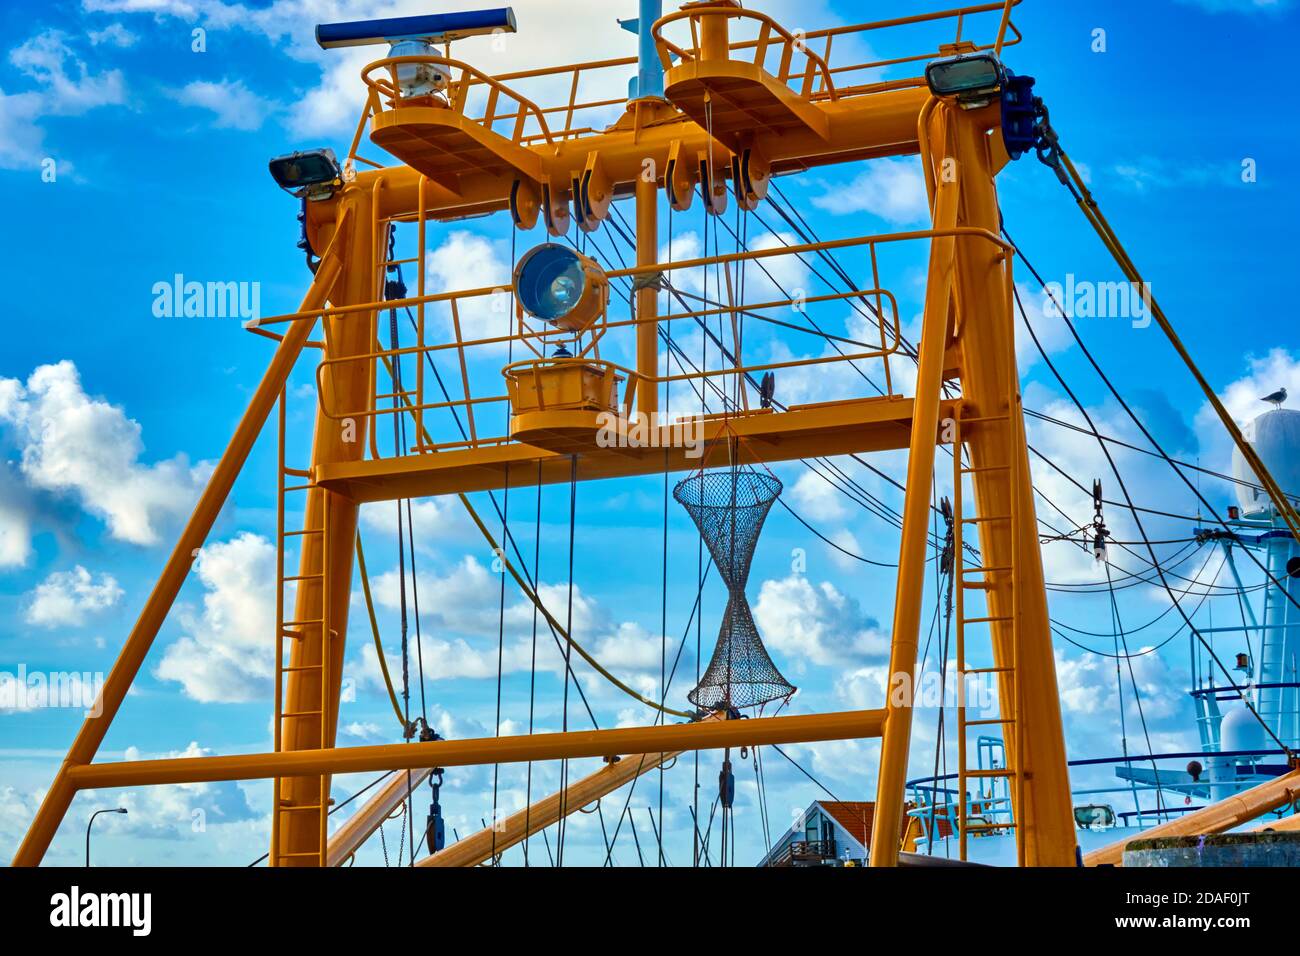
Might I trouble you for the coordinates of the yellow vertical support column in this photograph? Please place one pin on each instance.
(1022, 646)
(647, 300)
(888, 822)
(327, 559)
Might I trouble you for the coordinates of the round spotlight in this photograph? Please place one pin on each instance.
(561, 286)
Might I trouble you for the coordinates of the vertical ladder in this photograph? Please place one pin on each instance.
(289, 481)
(988, 578)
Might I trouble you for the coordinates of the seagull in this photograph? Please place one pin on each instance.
(1276, 399)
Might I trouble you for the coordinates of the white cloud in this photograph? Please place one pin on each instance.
(893, 189)
(232, 104)
(1267, 373)
(74, 444)
(464, 261)
(817, 498)
(64, 86)
(1148, 173)
(114, 34)
(1049, 328)
(434, 521)
(463, 639)
(568, 28)
(816, 623)
(15, 520)
(68, 598)
(1240, 6)
(175, 811)
(365, 731)
(227, 653)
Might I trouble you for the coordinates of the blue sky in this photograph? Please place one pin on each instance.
(110, 418)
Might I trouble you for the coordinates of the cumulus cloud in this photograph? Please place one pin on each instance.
(462, 635)
(893, 189)
(465, 261)
(232, 104)
(175, 811)
(69, 598)
(816, 624)
(15, 520)
(86, 448)
(226, 654)
(1279, 368)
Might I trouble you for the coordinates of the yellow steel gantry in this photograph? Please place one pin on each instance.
(743, 110)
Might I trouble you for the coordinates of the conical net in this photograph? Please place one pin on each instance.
(729, 508)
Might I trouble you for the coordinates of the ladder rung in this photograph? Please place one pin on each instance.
(288, 624)
(988, 520)
(985, 620)
(978, 585)
(296, 472)
(302, 853)
(988, 722)
(982, 419)
(996, 570)
(289, 808)
(988, 670)
(289, 488)
(990, 774)
(987, 827)
(291, 668)
(295, 534)
(302, 577)
(985, 468)
(301, 713)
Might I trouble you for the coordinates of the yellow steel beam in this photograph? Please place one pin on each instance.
(762, 731)
(517, 827)
(864, 425)
(881, 124)
(83, 750)
(891, 784)
(1285, 825)
(361, 825)
(1215, 818)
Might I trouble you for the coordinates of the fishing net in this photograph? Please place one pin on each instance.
(729, 508)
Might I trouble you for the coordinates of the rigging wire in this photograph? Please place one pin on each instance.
(1119, 477)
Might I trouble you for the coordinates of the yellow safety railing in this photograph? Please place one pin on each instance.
(450, 366)
(524, 118)
(772, 39)
(987, 26)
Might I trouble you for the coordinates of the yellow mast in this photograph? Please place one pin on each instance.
(727, 113)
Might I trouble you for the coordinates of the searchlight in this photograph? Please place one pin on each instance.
(562, 287)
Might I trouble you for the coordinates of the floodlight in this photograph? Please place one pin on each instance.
(970, 76)
(561, 286)
(309, 174)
